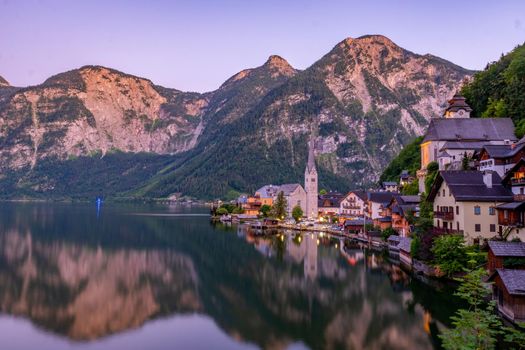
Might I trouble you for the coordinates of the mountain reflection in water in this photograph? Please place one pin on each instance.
(84, 278)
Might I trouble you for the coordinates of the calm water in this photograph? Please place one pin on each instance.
(143, 277)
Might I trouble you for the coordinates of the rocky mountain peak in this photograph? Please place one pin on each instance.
(279, 65)
(3, 82)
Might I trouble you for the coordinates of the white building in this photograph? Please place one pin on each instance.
(310, 184)
(353, 204)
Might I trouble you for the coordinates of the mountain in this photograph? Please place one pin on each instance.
(364, 101)
(3, 82)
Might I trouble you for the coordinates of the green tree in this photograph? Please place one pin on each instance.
(411, 189)
(280, 206)
(297, 213)
(265, 210)
(387, 232)
(237, 210)
(465, 162)
(450, 254)
(476, 327)
(322, 191)
(409, 158)
(222, 211)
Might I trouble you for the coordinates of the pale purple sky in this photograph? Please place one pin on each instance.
(196, 45)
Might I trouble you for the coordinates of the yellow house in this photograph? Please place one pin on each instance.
(464, 202)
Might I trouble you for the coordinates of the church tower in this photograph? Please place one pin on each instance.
(310, 184)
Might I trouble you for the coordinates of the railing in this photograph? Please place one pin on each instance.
(518, 181)
(519, 197)
(441, 230)
(444, 215)
(345, 206)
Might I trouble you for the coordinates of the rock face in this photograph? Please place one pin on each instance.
(3, 82)
(365, 99)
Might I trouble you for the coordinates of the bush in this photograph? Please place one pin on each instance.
(387, 232)
(221, 211)
(450, 254)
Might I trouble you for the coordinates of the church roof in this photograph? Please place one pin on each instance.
(470, 129)
(456, 103)
(288, 189)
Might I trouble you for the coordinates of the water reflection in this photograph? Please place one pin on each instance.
(85, 279)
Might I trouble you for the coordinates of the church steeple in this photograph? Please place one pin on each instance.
(310, 182)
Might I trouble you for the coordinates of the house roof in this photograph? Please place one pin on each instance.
(511, 205)
(514, 280)
(511, 171)
(470, 129)
(404, 244)
(357, 222)
(463, 145)
(330, 200)
(502, 151)
(267, 191)
(468, 186)
(380, 197)
(361, 194)
(389, 183)
(410, 199)
(500, 248)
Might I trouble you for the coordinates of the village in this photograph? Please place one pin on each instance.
(471, 184)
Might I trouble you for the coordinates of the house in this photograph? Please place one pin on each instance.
(450, 138)
(353, 204)
(251, 205)
(500, 158)
(329, 203)
(404, 250)
(356, 225)
(399, 209)
(405, 178)
(376, 202)
(508, 290)
(511, 216)
(390, 186)
(500, 251)
(465, 202)
(266, 194)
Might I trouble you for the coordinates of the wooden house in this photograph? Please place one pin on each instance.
(508, 290)
(501, 252)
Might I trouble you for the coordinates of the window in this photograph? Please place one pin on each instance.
(457, 209)
(443, 192)
(477, 227)
(477, 210)
(492, 227)
(445, 225)
(457, 225)
(492, 211)
(506, 214)
(521, 190)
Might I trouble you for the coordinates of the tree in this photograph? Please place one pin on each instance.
(387, 232)
(265, 210)
(221, 211)
(280, 206)
(237, 210)
(450, 254)
(476, 327)
(297, 213)
(322, 191)
(465, 162)
(411, 189)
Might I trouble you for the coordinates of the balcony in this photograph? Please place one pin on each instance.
(346, 206)
(444, 215)
(441, 230)
(519, 197)
(517, 181)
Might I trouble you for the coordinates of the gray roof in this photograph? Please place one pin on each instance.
(464, 145)
(503, 151)
(357, 222)
(361, 194)
(268, 191)
(514, 280)
(380, 197)
(287, 189)
(470, 129)
(404, 244)
(511, 205)
(394, 238)
(456, 103)
(389, 183)
(500, 248)
(468, 185)
(411, 199)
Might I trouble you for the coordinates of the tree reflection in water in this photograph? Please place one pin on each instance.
(86, 278)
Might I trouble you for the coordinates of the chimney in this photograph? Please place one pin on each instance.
(487, 178)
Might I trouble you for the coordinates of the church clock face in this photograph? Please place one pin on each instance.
(461, 112)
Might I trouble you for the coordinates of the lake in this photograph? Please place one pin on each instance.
(158, 277)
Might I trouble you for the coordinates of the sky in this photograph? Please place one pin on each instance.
(196, 45)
